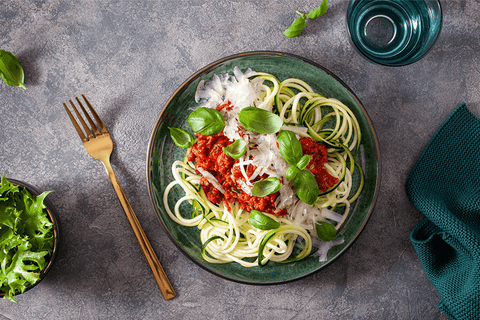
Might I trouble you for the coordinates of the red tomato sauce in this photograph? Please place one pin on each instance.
(207, 154)
(227, 106)
(319, 155)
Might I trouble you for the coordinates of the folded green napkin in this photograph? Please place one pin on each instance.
(445, 186)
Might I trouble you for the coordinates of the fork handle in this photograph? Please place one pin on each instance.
(158, 273)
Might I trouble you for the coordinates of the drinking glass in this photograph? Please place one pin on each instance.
(394, 32)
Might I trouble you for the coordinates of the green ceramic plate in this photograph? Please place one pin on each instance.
(162, 152)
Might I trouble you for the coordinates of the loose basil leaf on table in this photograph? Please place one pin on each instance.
(325, 231)
(236, 149)
(262, 221)
(206, 121)
(296, 27)
(181, 138)
(10, 70)
(289, 147)
(306, 187)
(259, 120)
(319, 11)
(266, 186)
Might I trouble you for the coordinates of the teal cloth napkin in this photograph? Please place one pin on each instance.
(445, 186)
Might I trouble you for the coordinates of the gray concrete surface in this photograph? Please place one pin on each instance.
(128, 57)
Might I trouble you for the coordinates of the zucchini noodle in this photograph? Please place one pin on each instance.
(226, 233)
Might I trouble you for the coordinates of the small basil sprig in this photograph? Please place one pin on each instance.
(236, 149)
(298, 25)
(325, 231)
(266, 186)
(181, 138)
(259, 120)
(319, 11)
(206, 121)
(260, 221)
(10, 70)
(306, 187)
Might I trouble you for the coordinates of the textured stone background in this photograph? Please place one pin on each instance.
(128, 57)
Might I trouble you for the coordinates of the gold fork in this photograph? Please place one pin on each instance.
(99, 145)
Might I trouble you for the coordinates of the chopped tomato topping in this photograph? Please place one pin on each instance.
(208, 155)
(319, 155)
(227, 105)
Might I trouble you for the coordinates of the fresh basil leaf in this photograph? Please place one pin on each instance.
(289, 147)
(181, 138)
(306, 187)
(325, 231)
(260, 221)
(10, 70)
(259, 120)
(317, 12)
(206, 121)
(296, 27)
(266, 186)
(292, 172)
(303, 162)
(236, 149)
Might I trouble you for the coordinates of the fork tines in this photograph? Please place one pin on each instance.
(98, 129)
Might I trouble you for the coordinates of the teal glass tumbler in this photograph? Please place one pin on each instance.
(394, 32)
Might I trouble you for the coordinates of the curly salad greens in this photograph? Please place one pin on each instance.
(26, 238)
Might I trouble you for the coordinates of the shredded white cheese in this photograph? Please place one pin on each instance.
(211, 179)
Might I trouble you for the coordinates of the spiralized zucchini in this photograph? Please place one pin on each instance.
(227, 234)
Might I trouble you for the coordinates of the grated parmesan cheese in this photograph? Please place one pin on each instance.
(211, 179)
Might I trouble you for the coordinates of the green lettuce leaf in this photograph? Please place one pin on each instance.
(26, 238)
